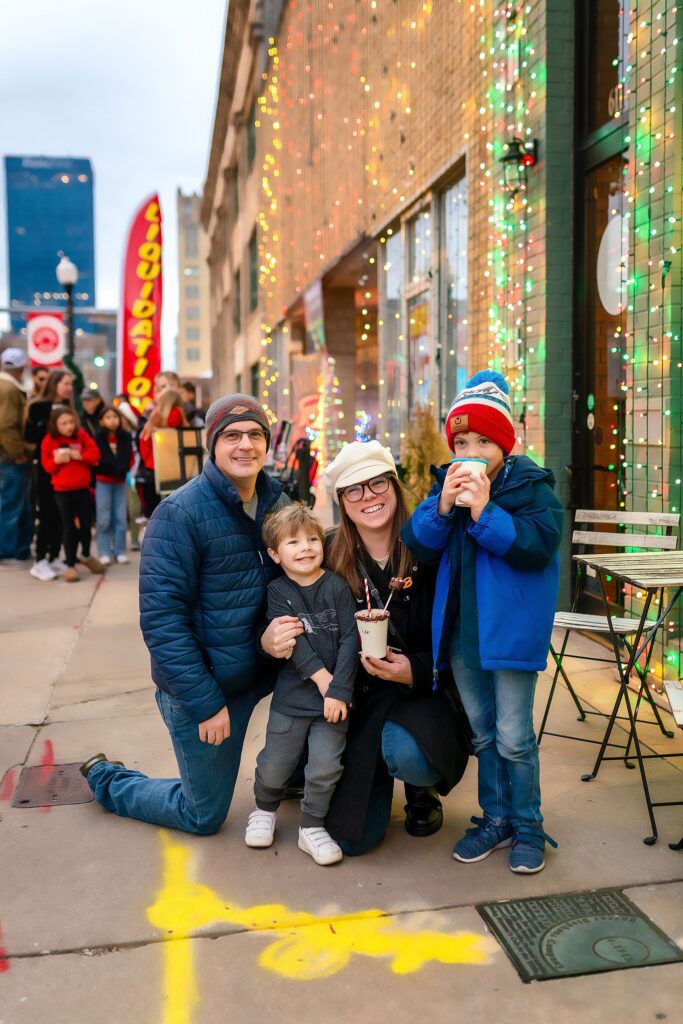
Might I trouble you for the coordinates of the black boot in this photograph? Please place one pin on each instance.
(424, 813)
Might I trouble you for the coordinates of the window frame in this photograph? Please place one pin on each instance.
(253, 270)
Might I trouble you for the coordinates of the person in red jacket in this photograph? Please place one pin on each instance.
(67, 453)
(168, 412)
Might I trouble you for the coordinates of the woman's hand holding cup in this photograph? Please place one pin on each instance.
(395, 668)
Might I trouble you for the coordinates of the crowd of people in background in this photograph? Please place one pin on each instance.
(70, 459)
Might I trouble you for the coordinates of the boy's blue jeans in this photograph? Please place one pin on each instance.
(200, 800)
(406, 761)
(499, 705)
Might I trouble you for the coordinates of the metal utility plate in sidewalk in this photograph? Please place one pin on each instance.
(577, 933)
(51, 786)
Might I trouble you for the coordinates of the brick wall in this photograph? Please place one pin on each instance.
(653, 446)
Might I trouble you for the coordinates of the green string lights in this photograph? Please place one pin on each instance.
(652, 452)
(510, 88)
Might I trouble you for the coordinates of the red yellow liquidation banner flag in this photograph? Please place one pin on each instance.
(140, 326)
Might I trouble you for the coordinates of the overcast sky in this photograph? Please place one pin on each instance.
(131, 85)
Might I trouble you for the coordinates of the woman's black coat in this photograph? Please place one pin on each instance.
(434, 718)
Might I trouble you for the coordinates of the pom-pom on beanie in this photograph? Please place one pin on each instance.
(233, 409)
(483, 406)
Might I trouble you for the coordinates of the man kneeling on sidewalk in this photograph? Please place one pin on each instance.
(204, 572)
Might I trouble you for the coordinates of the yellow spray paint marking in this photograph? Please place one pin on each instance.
(307, 947)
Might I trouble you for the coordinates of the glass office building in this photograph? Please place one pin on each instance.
(49, 211)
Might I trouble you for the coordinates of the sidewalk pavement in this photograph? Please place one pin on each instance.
(107, 920)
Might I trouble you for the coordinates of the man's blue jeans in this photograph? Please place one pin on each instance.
(406, 761)
(499, 705)
(110, 502)
(16, 525)
(199, 801)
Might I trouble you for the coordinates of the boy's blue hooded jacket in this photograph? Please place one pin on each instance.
(497, 577)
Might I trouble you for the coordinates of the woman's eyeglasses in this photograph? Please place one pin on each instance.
(378, 485)
(235, 436)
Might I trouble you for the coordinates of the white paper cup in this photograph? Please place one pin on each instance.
(373, 632)
(471, 466)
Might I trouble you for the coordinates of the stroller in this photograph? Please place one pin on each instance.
(299, 472)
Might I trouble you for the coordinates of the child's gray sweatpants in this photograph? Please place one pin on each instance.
(285, 742)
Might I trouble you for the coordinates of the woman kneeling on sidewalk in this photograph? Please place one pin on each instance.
(404, 725)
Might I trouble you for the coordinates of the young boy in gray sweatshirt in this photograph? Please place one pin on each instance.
(314, 688)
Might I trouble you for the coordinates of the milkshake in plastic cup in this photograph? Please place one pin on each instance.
(471, 466)
(373, 625)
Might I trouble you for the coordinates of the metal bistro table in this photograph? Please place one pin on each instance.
(651, 572)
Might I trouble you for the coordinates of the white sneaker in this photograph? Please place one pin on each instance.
(320, 845)
(58, 566)
(43, 571)
(123, 559)
(260, 828)
(105, 559)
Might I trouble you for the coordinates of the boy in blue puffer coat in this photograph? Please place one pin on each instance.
(495, 524)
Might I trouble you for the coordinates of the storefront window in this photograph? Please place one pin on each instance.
(453, 278)
(420, 243)
(606, 31)
(392, 344)
(600, 367)
(423, 322)
(419, 327)
(420, 345)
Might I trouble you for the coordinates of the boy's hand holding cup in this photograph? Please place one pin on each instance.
(452, 487)
(475, 495)
(466, 485)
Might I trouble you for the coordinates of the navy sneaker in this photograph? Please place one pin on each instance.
(527, 856)
(479, 842)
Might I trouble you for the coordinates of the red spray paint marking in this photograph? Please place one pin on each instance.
(47, 763)
(4, 962)
(7, 787)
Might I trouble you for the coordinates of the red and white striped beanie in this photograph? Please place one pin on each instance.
(483, 406)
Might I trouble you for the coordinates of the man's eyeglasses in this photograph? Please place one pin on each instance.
(378, 485)
(235, 436)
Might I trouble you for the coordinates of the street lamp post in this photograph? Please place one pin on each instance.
(67, 275)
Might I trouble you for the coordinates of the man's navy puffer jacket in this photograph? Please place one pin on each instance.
(203, 578)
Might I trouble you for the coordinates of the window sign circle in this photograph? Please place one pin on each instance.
(613, 265)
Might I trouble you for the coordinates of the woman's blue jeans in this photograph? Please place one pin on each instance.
(200, 799)
(499, 705)
(110, 502)
(406, 761)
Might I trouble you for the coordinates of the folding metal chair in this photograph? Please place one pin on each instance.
(625, 627)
